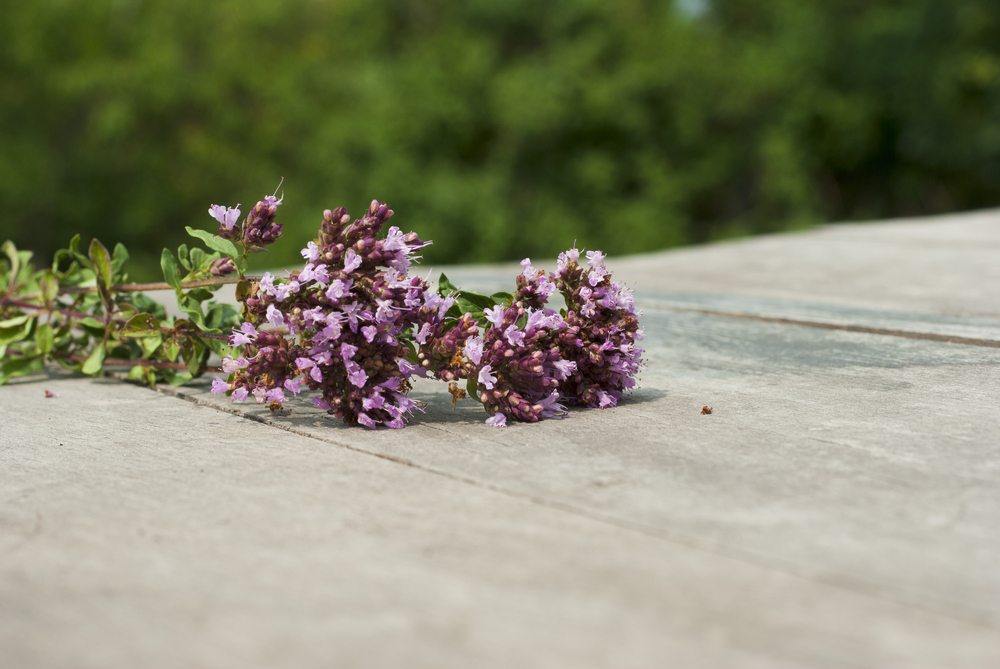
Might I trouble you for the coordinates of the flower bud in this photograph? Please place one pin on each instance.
(222, 267)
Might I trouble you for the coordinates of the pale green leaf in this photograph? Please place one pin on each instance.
(215, 242)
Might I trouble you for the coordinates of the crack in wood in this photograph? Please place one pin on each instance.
(827, 325)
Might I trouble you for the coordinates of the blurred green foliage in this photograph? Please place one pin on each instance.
(498, 128)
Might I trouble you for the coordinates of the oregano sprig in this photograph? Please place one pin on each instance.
(352, 326)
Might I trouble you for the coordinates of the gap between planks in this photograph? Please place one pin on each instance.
(828, 325)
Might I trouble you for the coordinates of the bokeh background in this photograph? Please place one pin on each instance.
(498, 128)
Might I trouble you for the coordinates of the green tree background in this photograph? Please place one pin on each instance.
(498, 128)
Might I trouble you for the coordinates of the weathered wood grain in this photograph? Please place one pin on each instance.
(138, 530)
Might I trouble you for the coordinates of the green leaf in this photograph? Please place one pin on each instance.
(195, 354)
(480, 301)
(221, 316)
(466, 307)
(44, 338)
(506, 299)
(219, 347)
(101, 260)
(445, 286)
(11, 367)
(466, 301)
(176, 377)
(48, 285)
(170, 270)
(127, 310)
(74, 249)
(142, 374)
(13, 322)
(473, 303)
(141, 325)
(150, 344)
(91, 325)
(95, 361)
(118, 258)
(200, 294)
(215, 242)
(15, 329)
(14, 259)
(242, 290)
(171, 349)
(184, 256)
(197, 257)
(192, 307)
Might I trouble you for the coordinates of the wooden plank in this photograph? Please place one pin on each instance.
(138, 530)
(943, 266)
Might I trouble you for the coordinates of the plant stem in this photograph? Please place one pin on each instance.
(131, 362)
(79, 314)
(41, 307)
(162, 285)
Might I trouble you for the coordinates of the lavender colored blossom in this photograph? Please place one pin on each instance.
(260, 229)
(445, 350)
(262, 369)
(534, 287)
(243, 335)
(227, 218)
(311, 252)
(518, 378)
(348, 315)
(497, 420)
(274, 316)
(486, 378)
(601, 335)
(474, 349)
(353, 328)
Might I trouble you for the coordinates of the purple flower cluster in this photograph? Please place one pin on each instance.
(354, 327)
(531, 359)
(534, 286)
(340, 325)
(602, 331)
(519, 364)
(258, 230)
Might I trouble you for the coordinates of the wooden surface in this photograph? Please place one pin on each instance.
(839, 507)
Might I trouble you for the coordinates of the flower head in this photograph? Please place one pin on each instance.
(519, 376)
(227, 217)
(260, 229)
(534, 286)
(347, 314)
(601, 335)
